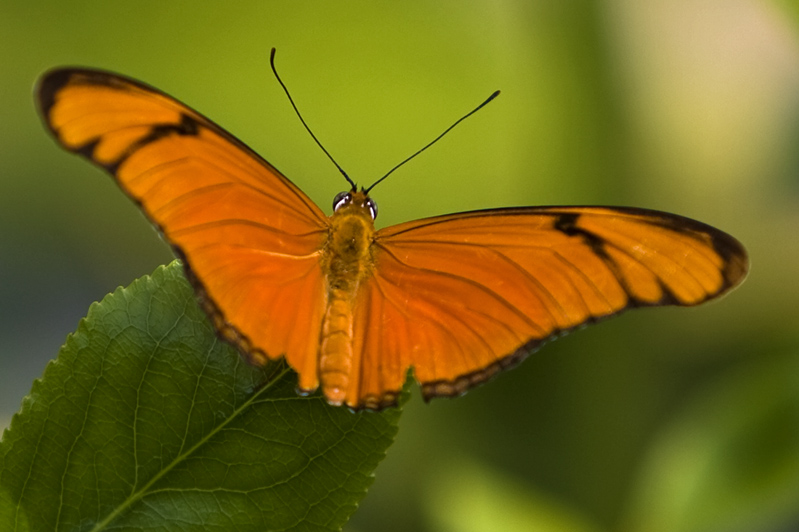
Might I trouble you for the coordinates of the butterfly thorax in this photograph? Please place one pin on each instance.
(347, 261)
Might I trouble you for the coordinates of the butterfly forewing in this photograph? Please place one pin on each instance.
(250, 239)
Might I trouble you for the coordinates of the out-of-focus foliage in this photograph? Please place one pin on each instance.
(689, 107)
(729, 460)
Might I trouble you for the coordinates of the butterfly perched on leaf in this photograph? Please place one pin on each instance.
(457, 298)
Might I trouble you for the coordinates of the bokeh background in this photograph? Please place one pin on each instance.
(662, 420)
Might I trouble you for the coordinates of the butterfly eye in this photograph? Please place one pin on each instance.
(370, 203)
(341, 199)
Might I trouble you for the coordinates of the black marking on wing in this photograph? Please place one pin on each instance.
(187, 126)
(567, 224)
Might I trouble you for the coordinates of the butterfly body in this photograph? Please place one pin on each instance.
(455, 298)
(347, 263)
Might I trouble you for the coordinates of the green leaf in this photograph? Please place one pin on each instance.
(146, 421)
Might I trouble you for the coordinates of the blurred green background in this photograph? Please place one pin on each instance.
(663, 420)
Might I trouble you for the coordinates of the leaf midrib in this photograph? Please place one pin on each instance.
(141, 492)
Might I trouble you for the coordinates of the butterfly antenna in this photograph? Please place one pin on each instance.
(461, 119)
(308, 129)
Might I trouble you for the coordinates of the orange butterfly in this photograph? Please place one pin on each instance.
(457, 297)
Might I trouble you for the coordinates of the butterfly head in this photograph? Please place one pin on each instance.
(352, 200)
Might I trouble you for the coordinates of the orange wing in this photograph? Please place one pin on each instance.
(460, 297)
(250, 240)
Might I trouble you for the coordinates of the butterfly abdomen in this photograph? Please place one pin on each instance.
(335, 349)
(347, 262)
